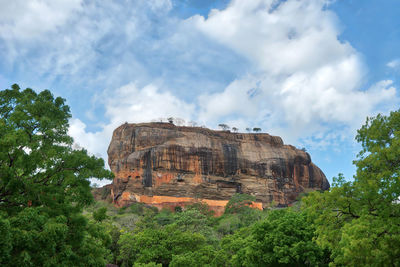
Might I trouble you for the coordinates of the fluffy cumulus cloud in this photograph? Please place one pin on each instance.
(21, 19)
(282, 37)
(394, 64)
(302, 83)
(78, 42)
(307, 81)
(129, 104)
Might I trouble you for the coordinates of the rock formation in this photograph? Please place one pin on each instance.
(167, 166)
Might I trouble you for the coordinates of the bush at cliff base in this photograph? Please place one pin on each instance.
(359, 220)
(44, 186)
(162, 245)
(283, 238)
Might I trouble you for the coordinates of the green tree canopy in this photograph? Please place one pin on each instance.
(359, 220)
(44, 183)
(100, 214)
(223, 126)
(283, 238)
(158, 245)
(238, 203)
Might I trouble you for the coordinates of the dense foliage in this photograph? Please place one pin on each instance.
(359, 220)
(44, 185)
(48, 217)
(283, 238)
(194, 237)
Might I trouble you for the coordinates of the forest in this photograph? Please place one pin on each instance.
(48, 216)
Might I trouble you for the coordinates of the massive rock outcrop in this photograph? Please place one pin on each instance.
(166, 166)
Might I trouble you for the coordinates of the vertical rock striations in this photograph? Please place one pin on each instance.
(166, 166)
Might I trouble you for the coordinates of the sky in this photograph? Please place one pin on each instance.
(310, 71)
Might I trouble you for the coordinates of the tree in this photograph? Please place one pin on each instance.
(283, 238)
(238, 214)
(239, 202)
(233, 248)
(178, 209)
(44, 182)
(235, 130)
(202, 207)
(115, 234)
(248, 130)
(256, 129)
(5, 241)
(223, 126)
(164, 217)
(100, 214)
(359, 221)
(194, 221)
(204, 256)
(157, 245)
(150, 264)
(170, 120)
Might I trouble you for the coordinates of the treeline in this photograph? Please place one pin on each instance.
(48, 218)
(222, 126)
(242, 236)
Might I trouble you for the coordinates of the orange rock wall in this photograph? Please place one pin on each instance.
(162, 202)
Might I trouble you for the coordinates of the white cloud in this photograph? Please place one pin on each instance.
(395, 63)
(132, 104)
(308, 80)
(70, 40)
(235, 99)
(293, 36)
(129, 104)
(22, 19)
(160, 5)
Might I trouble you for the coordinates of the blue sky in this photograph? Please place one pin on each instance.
(309, 71)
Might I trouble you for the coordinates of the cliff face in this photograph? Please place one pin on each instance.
(166, 166)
